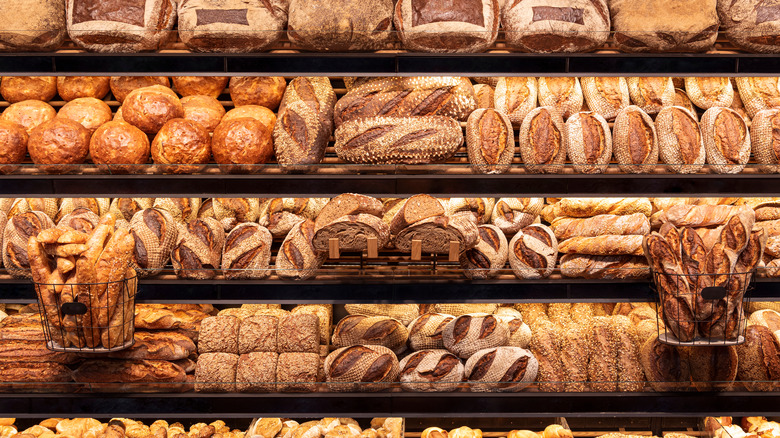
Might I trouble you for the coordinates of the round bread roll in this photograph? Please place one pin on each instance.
(118, 115)
(59, 142)
(264, 91)
(211, 86)
(467, 334)
(121, 146)
(240, 145)
(89, 111)
(256, 112)
(13, 145)
(29, 113)
(73, 87)
(19, 88)
(425, 332)
(121, 86)
(180, 142)
(361, 368)
(149, 108)
(488, 256)
(205, 110)
(371, 330)
(533, 252)
(502, 369)
(431, 371)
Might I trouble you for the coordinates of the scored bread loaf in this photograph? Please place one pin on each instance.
(567, 227)
(361, 368)
(343, 26)
(485, 96)
(630, 375)
(758, 93)
(478, 210)
(398, 140)
(603, 267)
(183, 210)
(297, 259)
(413, 210)
(546, 348)
(501, 369)
(664, 367)
(587, 207)
(304, 123)
(247, 252)
(99, 206)
(467, 334)
(232, 211)
(607, 96)
(488, 256)
(81, 219)
(533, 252)
(713, 368)
(766, 148)
(759, 359)
(157, 345)
(132, 375)
(602, 366)
(651, 94)
(425, 332)
(16, 235)
(708, 92)
(688, 215)
(402, 312)
(431, 371)
(510, 215)
(680, 143)
(563, 93)
(634, 141)
(490, 141)
(126, 208)
(574, 356)
(348, 204)
(516, 97)
(279, 215)
(436, 233)
(542, 142)
(519, 332)
(560, 26)
(603, 245)
(681, 99)
(726, 139)
(371, 330)
(198, 250)
(588, 142)
(155, 234)
(352, 233)
(751, 25)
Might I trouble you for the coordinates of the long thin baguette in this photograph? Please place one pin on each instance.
(603, 245)
(587, 207)
(565, 227)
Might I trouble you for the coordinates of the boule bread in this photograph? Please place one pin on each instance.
(516, 97)
(488, 256)
(198, 250)
(726, 139)
(533, 252)
(664, 367)
(634, 141)
(467, 334)
(297, 259)
(502, 369)
(588, 142)
(759, 359)
(371, 330)
(425, 332)
(431, 371)
(361, 368)
(490, 141)
(680, 143)
(247, 252)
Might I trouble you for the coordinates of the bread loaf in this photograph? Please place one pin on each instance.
(488, 256)
(211, 86)
(588, 142)
(713, 368)
(516, 97)
(425, 332)
(519, 332)
(205, 110)
(765, 317)
(297, 259)
(603, 245)
(766, 149)
(680, 141)
(413, 210)
(502, 369)
(184, 318)
(305, 121)
(563, 93)
(348, 204)
(139, 26)
(431, 371)
(587, 207)
(606, 96)
(183, 210)
(758, 364)
(544, 26)
(344, 26)
(157, 345)
(459, 309)
(258, 333)
(436, 233)
(352, 233)
(231, 26)
(759, 93)
(664, 367)
(256, 372)
(484, 95)
(447, 27)
(247, 252)
(510, 215)
(265, 91)
(490, 141)
(59, 145)
(631, 378)
(198, 250)
(606, 224)
(29, 373)
(155, 235)
(478, 210)
(361, 368)
(402, 312)
(651, 94)
(574, 355)
(688, 215)
(216, 372)
(546, 348)
(726, 139)
(681, 99)
(664, 25)
(298, 333)
(398, 140)
(279, 215)
(634, 141)
(29, 114)
(467, 334)
(181, 146)
(750, 24)
(40, 28)
(371, 330)
(407, 97)
(232, 211)
(219, 334)
(709, 92)
(542, 141)
(242, 145)
(603, 366)
(533, 252)
(16, 234)
(33, 351)
(13, 151)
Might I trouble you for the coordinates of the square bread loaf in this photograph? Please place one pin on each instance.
(258, 333)
(219, 334)
(256, 372)
(297, 372)
(299, 334)
(216, 372)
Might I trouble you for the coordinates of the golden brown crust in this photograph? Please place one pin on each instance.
(200, 85)
(19, 88)
(180, 142)
(264, 91)
(121, 86)
(89, 111)
(121, 146)
(205, 110)
(58, 142)
(13, 145)
(241, 144)
(149, 108)
(74, 87)
(29, 113)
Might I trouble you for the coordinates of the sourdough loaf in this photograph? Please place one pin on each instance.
(431, 371)
(402, 312)
(759, 363)
(759, 93)
(563, 93)
(681, 99)
(516, 97)
(16, 234)
(247, 252)
(155, 234)
(603, 267)
(708, 92)
(157, 345)
(425, 332)
(352, 232)
(361, 368)
(587, 207)
(371, 330)
(484, 95)
(198, 250)
(413, 210)
(588, 142)
(510, 215)
(751, 25)
(41, 27)
(634, 141)
(341, 26)
(607, 96)
(502, 369)
(546, 348)
(533, 252)
(680, 142)
(542, 141)
(107, 375)
(490, 141)
(478, 210)
(665, 368)
(297, 259)
(605, 224)
(488, 256)
(726, 139)
(651, 94)
(467, 334)
(766, 148)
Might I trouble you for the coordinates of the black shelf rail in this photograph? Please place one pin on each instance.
(275, 185)
(413, 405)
(378, 64)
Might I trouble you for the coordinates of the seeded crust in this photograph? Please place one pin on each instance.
(216, 372)
(298, 334)
(546, 348)
(297, 372)
(603, 366)
(256, 372)
(219, 334)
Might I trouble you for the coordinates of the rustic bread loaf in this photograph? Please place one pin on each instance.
(398, 140)
(232, 26)
(545, 26)
(247, 252)
(437, 232)
(16, 235)
(588, 142)
(459, 309)
(256, 372)
(298, 333)
(631, 378)
(20, 88)
(155, 234)
(759, 363)
(157, 345)
(361, 368)
(205, 110)
(13, 146)
(305, 122)
(603, 267)
(41, 27)
(574, 355)
(343, 26)
(484, 95)
(533, 252)
(279, 215)
(243, 145)
(29, 373)
(519, 332)
(726, 139)
(467, 334)
(478, 210)
(348, 204)
(750, 24)
(198, 250)
(447, 27)
(29, 114)
(402, 312)
(502, 369)
(219, 334)
(490, 141)
(713, 368)
(183, 210)
(516, 97)
(258, 333)
(137, 26)
(74, 87)
(688, 215)
(766, 149)
(681, 99)
(211, 86)
(605, 224)
(759, 93)
(607, 96)
(708, 92)
(546, 348)
(542, 141)
(431, 371)
(488, 256)
(510, 215)
(587, 207)
(119, 147)
(352, 232)
(216, 372)
(181, 146)
(371, 330)
(297, 372)
(59, 145)
(634, 141)
(603, 366)
(664, 25)
(603, 245)
(232, 211)
(563, 93)
(297, 258)
(425, 332)
(665, 368)
(413, 210)
(680, 142)
(651, 94)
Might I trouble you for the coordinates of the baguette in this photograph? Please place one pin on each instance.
(604, 224)
(587, 207)
(603, 245)
(603, 267)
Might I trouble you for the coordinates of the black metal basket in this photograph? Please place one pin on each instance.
(702, 309)
(88, 317)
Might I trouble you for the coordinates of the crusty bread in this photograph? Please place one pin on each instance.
(488, 256)
(680, 142)
(533, 252)
(437, 232)
(607, 96)
(588, 142)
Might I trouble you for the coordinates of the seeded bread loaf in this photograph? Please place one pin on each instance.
(216, 372)
(546, 348)
(256, 372)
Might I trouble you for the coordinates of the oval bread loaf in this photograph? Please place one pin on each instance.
(651, 94)
(634, 141)
(765, 143)
(546, 347)
(198, 250)
(603, 224)
(588, 142)
(297, 259)
(485, 96)
(607, 96)
(681, 99)
(488, 256)
(750, 25)
(708, 92)
(501, 369)
(542, 142)
(467, 334)
(759, 359)
(361, 368)
(759, 93)
(402, 312)
(680, 142)
(247, 252)
(155, 234)
(490, 141)
(726, 139)
(371, 330)
(413, 210)
(516, 97)
(563, 93)
(16, 235)
(431, 371)
(533, 252)
(603, 267)
(425, 332)
(512, 214)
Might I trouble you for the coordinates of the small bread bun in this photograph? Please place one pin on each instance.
(29, 113)
(58, 142)
(181, 141)
(18, 88)
(74, 87)
(88, 111)
(266, 90)
(244, 142)
(200, 85)
(256, 112)
(13, 145)
(149, 108)
(205, 110)
(119, 145)
(121, 86)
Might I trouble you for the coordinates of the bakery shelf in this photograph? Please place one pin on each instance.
(414, 405)
(302, 185)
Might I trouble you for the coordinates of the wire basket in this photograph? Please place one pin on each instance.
(702, 309)
(88, 317)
